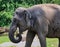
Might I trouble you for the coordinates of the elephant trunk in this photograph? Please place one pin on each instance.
(14, 39)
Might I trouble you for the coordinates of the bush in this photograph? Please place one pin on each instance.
(5, 18)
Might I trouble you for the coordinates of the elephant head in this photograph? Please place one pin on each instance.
(22, 20)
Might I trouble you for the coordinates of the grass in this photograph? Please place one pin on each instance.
(50, 42)
(4, 39)
(12, 46)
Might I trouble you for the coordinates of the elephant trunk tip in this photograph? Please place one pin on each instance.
(14, 39)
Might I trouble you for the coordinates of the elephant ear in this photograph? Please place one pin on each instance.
(28, 18)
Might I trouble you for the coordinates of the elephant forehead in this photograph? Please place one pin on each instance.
(16, 17)
(20, 9)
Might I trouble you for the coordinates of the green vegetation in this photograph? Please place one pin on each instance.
(12, 46)
(4, 39)
(52, 42)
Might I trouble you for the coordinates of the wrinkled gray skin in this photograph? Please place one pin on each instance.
(43, 20)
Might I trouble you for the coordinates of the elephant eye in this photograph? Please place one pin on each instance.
(14, 20)
(17, 13)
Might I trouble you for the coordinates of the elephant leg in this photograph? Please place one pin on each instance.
(59, 43)
(42, 40)
(29, 38)
(41, 33)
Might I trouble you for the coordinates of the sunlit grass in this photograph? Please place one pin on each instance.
(12, 46)
(52, 42)
(4, 39)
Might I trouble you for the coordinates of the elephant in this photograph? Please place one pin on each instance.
(42, 20)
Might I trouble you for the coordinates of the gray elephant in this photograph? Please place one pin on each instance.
(42, 20)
